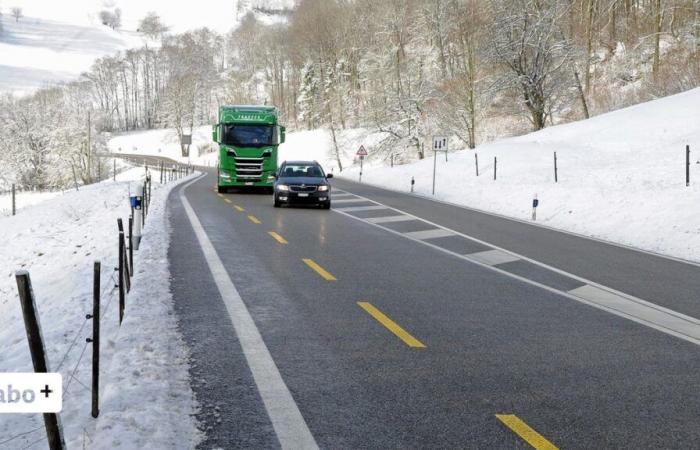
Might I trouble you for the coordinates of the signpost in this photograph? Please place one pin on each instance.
(439, 145)
(186, 141)
(361, 152)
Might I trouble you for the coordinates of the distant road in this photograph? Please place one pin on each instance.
(393, 321)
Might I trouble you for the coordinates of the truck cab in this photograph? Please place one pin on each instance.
(248, 138)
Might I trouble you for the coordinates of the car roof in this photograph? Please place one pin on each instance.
(301, 163)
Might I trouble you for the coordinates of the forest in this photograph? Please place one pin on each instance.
(477, 70)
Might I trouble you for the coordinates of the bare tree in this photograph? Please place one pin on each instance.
(152, 26)
(531, 47)
(17, 13)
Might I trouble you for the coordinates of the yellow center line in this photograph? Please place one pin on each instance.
(254, 219)
(522, 429)
(391, 325)
(239, 208)
(277, 237)
(227, 200)
(220, 195)
(319, 270)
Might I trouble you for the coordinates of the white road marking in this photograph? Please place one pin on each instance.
(349, 200)
(343, 194)
(361, 208)
(643, 312)
(387, 219)
(290, 427)
(429, 234)
(492, 257)
(601, 297)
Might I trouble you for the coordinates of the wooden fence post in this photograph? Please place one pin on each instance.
(54, 431)
(95, 339)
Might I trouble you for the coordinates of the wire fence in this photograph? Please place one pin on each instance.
(117, 285)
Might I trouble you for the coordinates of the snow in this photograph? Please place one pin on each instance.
(24, 199)
(38, 52)
(164, 142)
(57, 41)
(145, 398)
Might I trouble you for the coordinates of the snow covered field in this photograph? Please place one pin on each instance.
(145, 396)
(37, 52)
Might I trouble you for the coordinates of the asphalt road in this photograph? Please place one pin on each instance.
(393, 332)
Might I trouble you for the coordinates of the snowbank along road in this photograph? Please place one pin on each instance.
(393, 321)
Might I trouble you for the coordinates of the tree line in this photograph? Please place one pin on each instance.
(476, 69)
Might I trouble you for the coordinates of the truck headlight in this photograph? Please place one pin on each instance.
(224, 175)
(323, 188)
(282, 187)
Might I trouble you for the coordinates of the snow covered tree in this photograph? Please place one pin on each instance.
(528, 43)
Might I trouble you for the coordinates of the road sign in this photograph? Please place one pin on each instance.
(439, 143)
(361, 151)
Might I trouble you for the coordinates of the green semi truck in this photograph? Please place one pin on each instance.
(248, 138)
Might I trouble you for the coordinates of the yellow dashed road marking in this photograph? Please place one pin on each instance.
(277, 237)
(319, 270)
(523, 430)
(391, 325)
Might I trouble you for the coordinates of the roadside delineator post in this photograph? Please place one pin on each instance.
(535, 204)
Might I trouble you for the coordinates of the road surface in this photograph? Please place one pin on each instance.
(393, 321)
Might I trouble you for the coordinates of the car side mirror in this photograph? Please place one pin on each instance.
(330, 175)
(274, 174)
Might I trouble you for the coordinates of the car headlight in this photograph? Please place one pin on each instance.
(323, 188)
(282, 187)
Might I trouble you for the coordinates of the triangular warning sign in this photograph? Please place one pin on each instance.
(362, 151)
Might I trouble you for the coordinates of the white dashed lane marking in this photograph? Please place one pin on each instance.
(492, 257)
(350, 200)
(388, 219)
(361, 208)
(429, 234)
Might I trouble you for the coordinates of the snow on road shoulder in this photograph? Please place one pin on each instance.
(145, 395)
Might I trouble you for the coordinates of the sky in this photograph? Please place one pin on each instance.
(179, 15)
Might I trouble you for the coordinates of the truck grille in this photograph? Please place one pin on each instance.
(248, 168)
(302, 188)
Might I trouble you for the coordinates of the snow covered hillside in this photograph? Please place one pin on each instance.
(145, 398)
(621, 176)
(39, 52)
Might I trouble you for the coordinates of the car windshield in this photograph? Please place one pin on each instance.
(247, 135)
(301, 170)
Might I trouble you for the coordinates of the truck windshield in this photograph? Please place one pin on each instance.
(247, 135)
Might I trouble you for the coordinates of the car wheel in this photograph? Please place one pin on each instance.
(277, 203)
(326, 205)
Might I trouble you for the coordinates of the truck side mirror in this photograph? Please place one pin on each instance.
(283, 133)
(215, 133)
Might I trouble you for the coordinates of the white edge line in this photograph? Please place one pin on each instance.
(554, 269)
(289, 425)
(533, 224)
